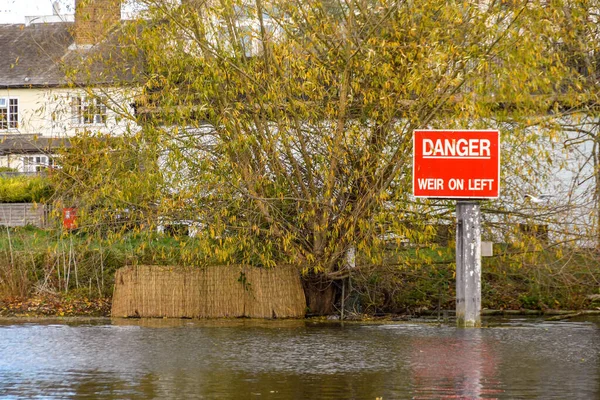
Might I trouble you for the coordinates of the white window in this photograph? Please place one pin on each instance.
(9, 113)
(88, 110)
(37, 163)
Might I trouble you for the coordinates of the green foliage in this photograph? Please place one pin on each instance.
(112, 181)
(284, 129)
(510, 280)
(25, 189)
(34, 260)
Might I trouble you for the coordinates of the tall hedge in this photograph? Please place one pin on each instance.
(24, 189)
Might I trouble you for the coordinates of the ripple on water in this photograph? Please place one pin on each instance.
(148, 359)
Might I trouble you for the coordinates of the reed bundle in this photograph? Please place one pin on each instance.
(210, 292)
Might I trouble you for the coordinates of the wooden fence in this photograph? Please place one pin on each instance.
(21, 214)
(209, 292)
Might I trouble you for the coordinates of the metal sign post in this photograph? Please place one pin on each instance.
(468, 264)
(462, 165)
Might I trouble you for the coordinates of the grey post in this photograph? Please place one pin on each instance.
(468, 264)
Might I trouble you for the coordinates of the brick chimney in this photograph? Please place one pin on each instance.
(94, 18)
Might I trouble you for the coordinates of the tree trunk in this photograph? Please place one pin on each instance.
(320, 294)
(596, 158)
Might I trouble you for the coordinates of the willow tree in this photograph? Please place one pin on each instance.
(567, 132)
(284, 128)
(577, 107)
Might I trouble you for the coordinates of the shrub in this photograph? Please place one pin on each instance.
(24, 189)
(7, 169)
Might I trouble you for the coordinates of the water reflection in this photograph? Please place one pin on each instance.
(462, 365)
(296, 359)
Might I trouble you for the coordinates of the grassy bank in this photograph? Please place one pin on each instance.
(46, 272)
(53, 273)
(523, 277)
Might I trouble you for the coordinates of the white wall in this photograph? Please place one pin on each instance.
(47, 112)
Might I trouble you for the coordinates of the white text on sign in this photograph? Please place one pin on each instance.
(452, 148)
(455, 184)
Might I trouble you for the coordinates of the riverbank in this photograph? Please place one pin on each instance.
(55, 305)
(80, 307)
(53, 273)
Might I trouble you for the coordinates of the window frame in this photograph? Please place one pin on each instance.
(36, 163)
(88, 111)
(13, 117)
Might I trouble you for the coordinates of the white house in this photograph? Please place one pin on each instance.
(42, 103)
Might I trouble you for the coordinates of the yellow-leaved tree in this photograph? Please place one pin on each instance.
(282, 130)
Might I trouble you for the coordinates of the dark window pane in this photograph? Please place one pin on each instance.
(3, 118)
(13, 116)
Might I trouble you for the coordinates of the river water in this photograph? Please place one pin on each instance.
(243, 359)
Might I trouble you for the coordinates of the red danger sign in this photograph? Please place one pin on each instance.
(456, 164)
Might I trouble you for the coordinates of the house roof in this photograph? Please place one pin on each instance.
(30, 144)
(39, 55)
(31, 54)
